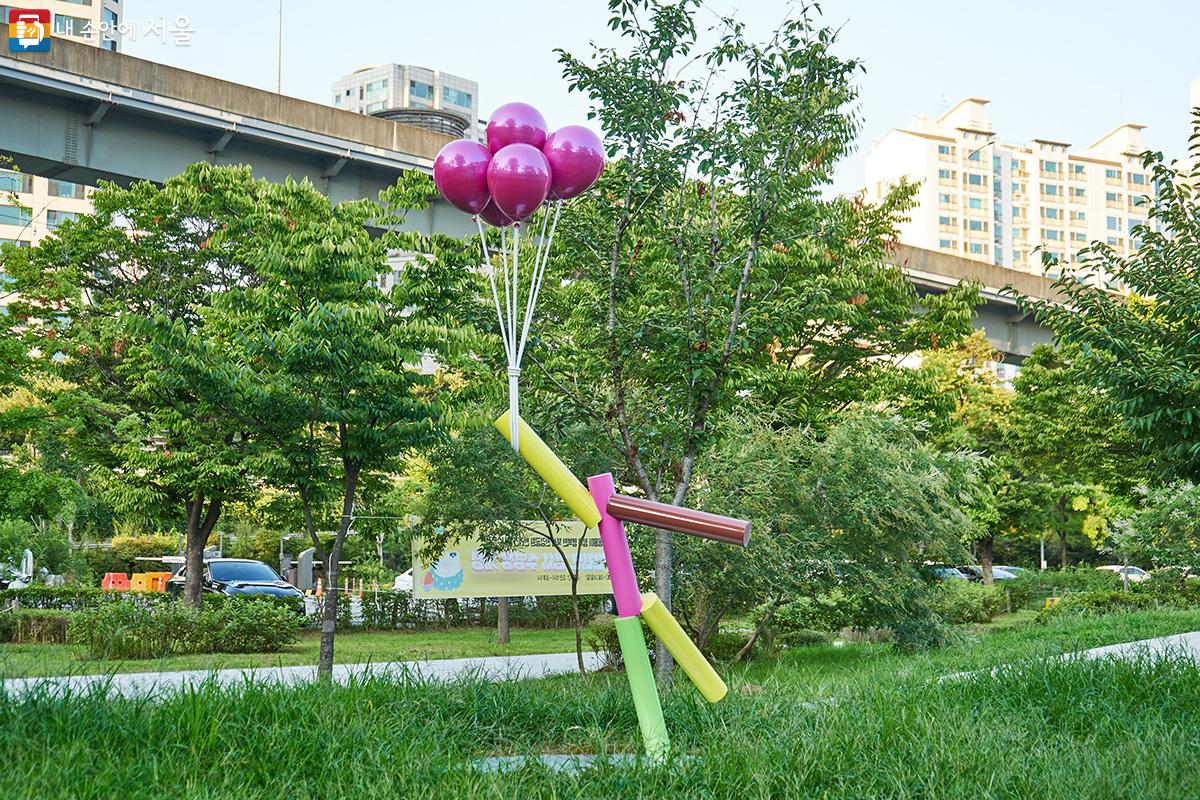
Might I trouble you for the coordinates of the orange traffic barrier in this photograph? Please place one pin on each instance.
(157, 581)
(115, 581)
(137, 582)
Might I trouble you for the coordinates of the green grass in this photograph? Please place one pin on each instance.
(31, 660)
(856, 721)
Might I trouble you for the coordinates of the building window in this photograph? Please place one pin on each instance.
(14, 242)
(1051, 190)
(945, 151)
(977, 225)
(420, 90)
(946, 244)
(975, 202)
(1112, 175)
(1051, 234)
(945, 174)
(977, 249)
(947, 222)
(1017, 256)
(66, 189)
(1112, 199)
(1137, 179)
(14, 182)
(974, 179)
(79, 2)
(973, 156)
(1049, 166)
(1077, 170)
(945, 199)
(377, 87)
(109, 28)
(1114, 241)
(455, 97)
(54, 218)
(1078, 236)
(1077, 192)
(373, 107)
(1114, 223)
(337, 100)
(1078, 216)
(1052, 213)
(14, 215)
(1018, 212)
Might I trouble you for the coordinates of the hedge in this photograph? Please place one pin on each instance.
(34, 627)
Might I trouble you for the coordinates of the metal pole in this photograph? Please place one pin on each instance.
(279, 52)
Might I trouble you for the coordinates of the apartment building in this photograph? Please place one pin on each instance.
(413, 95)
(31, 207)
(988, 200)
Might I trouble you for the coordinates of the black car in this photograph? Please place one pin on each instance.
(237, 576)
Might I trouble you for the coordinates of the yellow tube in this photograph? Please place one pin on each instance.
(553, 471)
(686, 654)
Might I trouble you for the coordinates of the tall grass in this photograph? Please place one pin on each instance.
(825, 722)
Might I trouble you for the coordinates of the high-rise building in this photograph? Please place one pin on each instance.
(30, 206)
(992, 201)
(413, 95)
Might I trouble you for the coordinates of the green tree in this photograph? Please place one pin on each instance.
(319, 361)
(109, 305)
(705, 271)
(1141, 349)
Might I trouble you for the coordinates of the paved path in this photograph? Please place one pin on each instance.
(1181, 645)
(149, 684)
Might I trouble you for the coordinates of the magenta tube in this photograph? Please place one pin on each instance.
(616, 549)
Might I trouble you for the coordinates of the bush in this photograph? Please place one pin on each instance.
(959, 602)
(601, 638)
(725, 645)
(830, 611)
(803, 638)
(1098, 603)
(121, 553)
(922, 633)
(1031, 588)
(34, 627)
(139, 631)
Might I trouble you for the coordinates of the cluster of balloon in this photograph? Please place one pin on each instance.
(504, 183)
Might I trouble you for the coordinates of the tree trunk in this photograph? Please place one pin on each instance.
(578, 624)
(663, 662)
(985, 560)
(502, 620)
(332, 597)
(762, 625)
(200, 522)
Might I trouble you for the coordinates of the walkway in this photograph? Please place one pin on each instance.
(149, 684)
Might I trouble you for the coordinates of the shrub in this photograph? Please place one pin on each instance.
(34, 627)
(121, 553)
(959, 602)
(803, 638)
(725, 645)
(138, 631)
(601, 638)
(922, 633)
(830, 611)
(1098, 603)
(1031, 588)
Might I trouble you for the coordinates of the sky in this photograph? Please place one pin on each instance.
(1068, 70)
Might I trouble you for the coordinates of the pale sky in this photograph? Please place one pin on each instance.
(1059, 69)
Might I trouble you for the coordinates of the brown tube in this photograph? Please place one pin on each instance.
(682, 520)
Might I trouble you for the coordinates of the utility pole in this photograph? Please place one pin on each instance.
(279, 52)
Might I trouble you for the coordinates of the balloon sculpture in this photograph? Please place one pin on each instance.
(502, 184)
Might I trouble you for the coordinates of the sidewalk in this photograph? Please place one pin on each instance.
(150, 684)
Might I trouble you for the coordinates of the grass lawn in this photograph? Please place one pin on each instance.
(30, 660)
(856, 722)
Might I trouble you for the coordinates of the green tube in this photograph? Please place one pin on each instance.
(641, 685)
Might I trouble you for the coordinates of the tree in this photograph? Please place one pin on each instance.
(1141, 350)
(109, 306)
(704, 271)
(317, 359)
(1166, 532)
(861, 506)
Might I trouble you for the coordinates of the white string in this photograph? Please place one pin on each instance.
(491, 273)
(539, 273)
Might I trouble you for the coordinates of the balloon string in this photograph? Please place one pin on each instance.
(491, 273)
(543, 257)
(509, 350)
(514, 360)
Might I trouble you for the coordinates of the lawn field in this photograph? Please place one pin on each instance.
(856, 722)
(32, 660)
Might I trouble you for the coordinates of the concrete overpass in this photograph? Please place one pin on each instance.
(1010, 330)
(84, 114)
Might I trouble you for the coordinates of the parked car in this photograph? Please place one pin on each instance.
(974, 572)
(1134, 574)
(1015, 571)
(237, 576)
(943, 573)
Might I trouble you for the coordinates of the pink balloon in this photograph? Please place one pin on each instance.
(494, 216)
(515, 123)
(576, 158)
(519, 180)
(460, 173)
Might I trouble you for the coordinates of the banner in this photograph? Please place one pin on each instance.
(533, 568)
